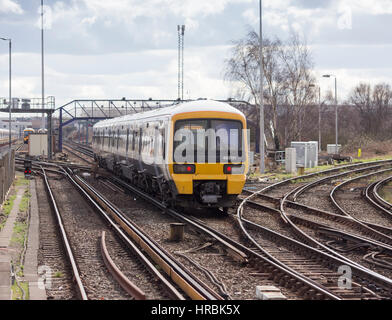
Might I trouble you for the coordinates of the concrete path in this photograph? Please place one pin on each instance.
(31, 259)
(5, 258)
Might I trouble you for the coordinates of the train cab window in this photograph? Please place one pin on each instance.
(228, 137)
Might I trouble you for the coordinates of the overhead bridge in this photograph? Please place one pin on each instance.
(97, 110)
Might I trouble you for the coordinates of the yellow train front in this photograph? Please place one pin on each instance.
(190, 155)
(26, 134)
(215, 178)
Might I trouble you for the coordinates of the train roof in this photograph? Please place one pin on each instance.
(193, 106)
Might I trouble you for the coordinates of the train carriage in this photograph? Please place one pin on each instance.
(151, 150)
(4, 136)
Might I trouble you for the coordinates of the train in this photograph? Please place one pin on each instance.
(26, 134)
(4, 136)
(190, 155)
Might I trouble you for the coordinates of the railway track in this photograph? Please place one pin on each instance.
(373, 196)
(283, 276)
(127, 285)
(286, 244)
(85, 150)
(75, 270)
(320, 282)
(185, 280)
(291, 220)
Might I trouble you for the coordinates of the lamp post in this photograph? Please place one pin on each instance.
(42, 63)
(261, 147)
(336, 110)
(10, 94)
(319, 114)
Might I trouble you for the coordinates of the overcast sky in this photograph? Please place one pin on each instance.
(128, 48)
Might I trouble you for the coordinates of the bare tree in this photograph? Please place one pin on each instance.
(287, 70)
(373, 106)
(297, 65)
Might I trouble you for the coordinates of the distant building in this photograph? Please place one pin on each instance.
(18, 124)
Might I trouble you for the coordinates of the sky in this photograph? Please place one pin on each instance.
(98, 49)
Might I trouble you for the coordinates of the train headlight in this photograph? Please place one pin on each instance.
(184, 169)
(233, 169)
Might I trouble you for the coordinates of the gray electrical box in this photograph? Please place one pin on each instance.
(307, 153)
(331, 148)
(291, 160)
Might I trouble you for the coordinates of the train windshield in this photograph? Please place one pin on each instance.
(208, 140)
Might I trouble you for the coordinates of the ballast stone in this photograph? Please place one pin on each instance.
(269, 293)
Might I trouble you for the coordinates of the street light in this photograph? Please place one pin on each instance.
(261, 147)
(336, 110)
(10, 94)
(319, 113)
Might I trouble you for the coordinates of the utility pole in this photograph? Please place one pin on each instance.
(181, 42)
(261, 143)
(336, 110)
(10, 91)
(42, 63)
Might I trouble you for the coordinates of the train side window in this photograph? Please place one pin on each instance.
(127, 143)
(140, 140)
(118, 137)
(134, 140)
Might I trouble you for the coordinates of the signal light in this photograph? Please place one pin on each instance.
(184, 168)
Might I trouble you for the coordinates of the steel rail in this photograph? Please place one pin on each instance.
(64, 237)
(308, 186)
(361, 271)
(347, 235)
(236, 253)
(323, 213)
(192, 286)
(120, 233)
(381, 200)
(314, 174)
(124, 282)
(332, 197)
(70, 150)
(264, 259)
(55, 164)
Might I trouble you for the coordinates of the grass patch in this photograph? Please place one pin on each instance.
(19, 233)
(58, 274)
(24, 204)
(8, 204)
(17, 294)
(20, 181)
(280, 175)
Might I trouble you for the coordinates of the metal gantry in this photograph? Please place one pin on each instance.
(33, 105)
(97, 110)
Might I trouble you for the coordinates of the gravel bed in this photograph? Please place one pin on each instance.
(84, 230)
(268, 220)
(51, 252)
(240, 281)
(355, 204)
(356, 256)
